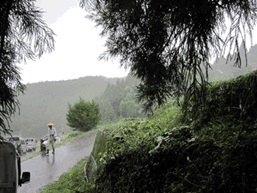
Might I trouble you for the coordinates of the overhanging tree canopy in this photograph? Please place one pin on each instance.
(23, 34)
(168, 44)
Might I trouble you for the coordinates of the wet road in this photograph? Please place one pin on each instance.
(46, 169)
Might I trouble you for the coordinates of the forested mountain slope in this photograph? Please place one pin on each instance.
(48, 101)
(224, 69)
(120, 101)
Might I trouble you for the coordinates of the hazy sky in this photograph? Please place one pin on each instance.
(77, 48)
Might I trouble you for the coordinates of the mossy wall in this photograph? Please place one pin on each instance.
(235, 99)
(216, 153)
(93, 164)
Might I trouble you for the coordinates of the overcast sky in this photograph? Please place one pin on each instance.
(77, 48)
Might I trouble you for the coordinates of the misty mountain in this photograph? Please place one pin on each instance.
(46, 102)
(224, 69)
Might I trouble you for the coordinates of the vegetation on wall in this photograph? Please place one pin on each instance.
(162, 154)
(183, 161)
(233, 100)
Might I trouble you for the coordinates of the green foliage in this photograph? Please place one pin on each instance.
(23, 35)
(95, 161)
(168, 115)
(129, 109)
(83, 116)
(46, 101)
(217, 159)
(107, 112)
(120, 101)
(233, 100)
(160, 155)
(131, 134)
(166, 43)
(10, 87)
(71, 181)
(216, 153)
(40, 103)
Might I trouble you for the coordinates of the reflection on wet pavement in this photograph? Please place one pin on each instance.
(46, 169)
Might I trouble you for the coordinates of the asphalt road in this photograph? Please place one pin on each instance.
(47, 169)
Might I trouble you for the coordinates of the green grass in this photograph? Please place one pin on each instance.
(71, 181)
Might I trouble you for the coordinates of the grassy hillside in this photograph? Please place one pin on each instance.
(47, 102)
(162, 154)
(212, 152)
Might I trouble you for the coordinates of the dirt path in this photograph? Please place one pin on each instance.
(46, 169)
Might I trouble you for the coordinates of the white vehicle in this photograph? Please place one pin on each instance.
(19, 144)
(10, 169)
(31, 144)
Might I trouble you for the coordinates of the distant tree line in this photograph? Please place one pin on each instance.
(224, 69)
(120, 101)
(48, 101)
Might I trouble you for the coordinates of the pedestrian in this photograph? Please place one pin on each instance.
(52, 133)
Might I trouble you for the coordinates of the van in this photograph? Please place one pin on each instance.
(10, 169)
